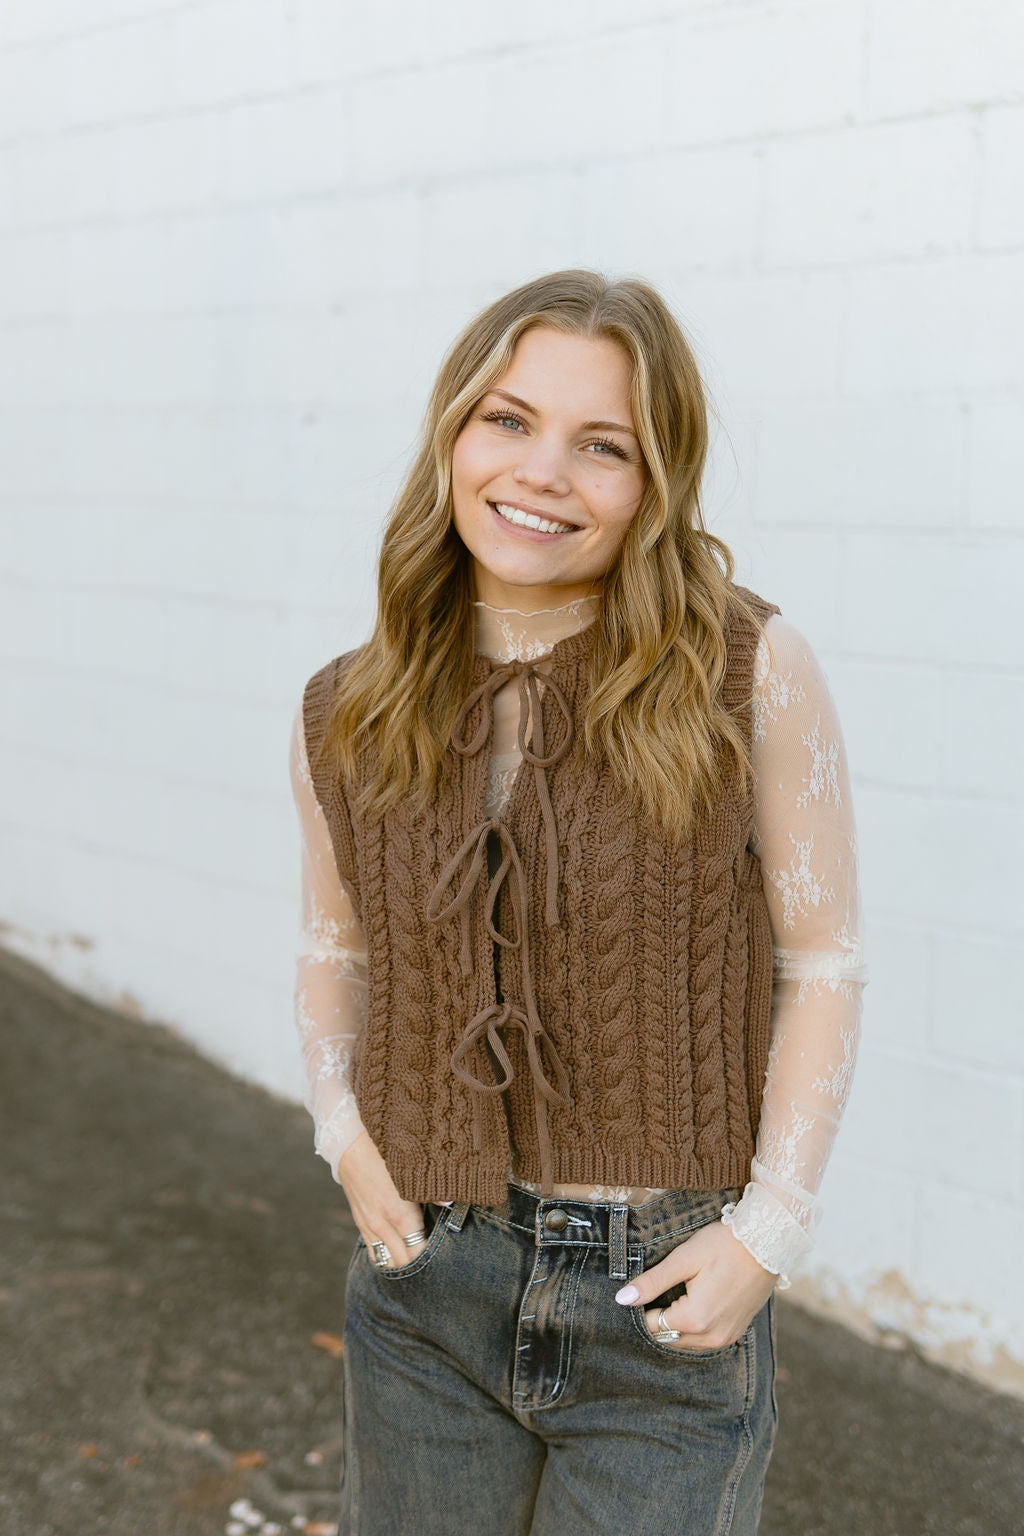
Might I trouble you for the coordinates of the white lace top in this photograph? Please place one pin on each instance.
(804, 835)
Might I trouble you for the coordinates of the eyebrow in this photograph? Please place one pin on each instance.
(588, 426)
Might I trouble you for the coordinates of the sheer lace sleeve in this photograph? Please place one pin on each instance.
(805, 836)
(330, 977)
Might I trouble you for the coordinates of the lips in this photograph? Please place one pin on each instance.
(524, 520)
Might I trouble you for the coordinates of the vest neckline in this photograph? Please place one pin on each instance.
(566, 652)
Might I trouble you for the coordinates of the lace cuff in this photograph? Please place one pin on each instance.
(768, 1231)
(337, 1133)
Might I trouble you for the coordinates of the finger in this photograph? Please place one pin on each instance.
(717, 1338)
(699, 1325)
(383, 1232)
(410, 1223)
(393, 1234)
(654, 1282)
(670, 1322)
(675, 1323)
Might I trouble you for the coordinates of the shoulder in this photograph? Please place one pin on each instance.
(313, 714)
(785, 651)
(745, 606)
(746, 615)
(791, 690)
(323, 684)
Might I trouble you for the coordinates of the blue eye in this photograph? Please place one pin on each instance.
(598, 442)
(606, 442)
(503, 416)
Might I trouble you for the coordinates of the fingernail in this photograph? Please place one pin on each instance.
(628, 1294)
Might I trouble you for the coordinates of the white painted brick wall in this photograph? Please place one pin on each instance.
(236, 237)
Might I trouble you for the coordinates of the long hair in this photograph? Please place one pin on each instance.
(659, 648)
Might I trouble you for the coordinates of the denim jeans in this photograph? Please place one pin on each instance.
(493, 1384)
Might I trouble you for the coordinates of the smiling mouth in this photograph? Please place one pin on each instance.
(521, 519)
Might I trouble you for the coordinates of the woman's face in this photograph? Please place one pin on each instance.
(554, 437)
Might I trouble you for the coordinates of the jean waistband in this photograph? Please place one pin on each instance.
(553, 1221)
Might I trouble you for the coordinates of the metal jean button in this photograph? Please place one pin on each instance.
(556, 1220)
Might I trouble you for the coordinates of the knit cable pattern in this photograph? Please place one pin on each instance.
(614, 993)
(636, 977)
(658, 1057)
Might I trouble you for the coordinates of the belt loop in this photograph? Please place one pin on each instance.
(617, 1260)
(458, 1215)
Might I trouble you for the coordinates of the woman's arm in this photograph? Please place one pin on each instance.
(330, 976)
(805, 837)
(330, 1012)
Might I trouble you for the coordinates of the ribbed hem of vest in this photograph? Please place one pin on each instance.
(425, 1181)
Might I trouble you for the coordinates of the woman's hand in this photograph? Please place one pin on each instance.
(380, 1213)
(725, 1288)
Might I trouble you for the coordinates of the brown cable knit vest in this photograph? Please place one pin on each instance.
(630, 1043)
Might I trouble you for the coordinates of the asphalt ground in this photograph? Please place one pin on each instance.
(172, 1256)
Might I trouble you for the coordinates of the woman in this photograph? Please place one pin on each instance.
(580, 983)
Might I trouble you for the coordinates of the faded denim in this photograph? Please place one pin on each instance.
(494, 1384)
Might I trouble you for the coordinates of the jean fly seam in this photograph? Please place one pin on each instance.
(564, 1342)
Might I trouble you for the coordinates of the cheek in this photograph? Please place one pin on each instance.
(472, 462)
(617, 511)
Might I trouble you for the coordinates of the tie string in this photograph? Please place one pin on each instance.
(471, 858)
(486, 1026)
(531, 715)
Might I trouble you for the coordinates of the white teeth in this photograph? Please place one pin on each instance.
(530, 519)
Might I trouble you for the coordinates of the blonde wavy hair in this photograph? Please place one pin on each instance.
(659, 650)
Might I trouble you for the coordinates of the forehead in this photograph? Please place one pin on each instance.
(561, 374)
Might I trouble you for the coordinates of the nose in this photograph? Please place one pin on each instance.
(542, 465)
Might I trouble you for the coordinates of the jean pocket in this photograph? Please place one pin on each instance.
(653, 1254)
(681, 1352)
(435, 1222)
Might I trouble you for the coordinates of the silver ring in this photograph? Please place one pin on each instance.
(415, 1238)
(663, 1333)
(381, 1256)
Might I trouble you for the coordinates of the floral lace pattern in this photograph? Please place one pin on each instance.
(502, 634)
(801, 887)
(805, 837)
(774, 690)
(503, 770)
(767, 1230)
(330, 977)
(601, 1194)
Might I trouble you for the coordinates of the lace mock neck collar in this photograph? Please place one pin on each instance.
(512, 634)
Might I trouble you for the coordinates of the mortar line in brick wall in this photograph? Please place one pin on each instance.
(666, 147)
(891, 1174)
(342, 192)
(111, 24)
(542, 50)
(900, 923)
(965, 1063)
(986, 534)
(907, 1057)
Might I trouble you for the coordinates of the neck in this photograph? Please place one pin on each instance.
(496, 593)
(506, 632)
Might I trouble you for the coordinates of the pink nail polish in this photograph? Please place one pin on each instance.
(628, 1294)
